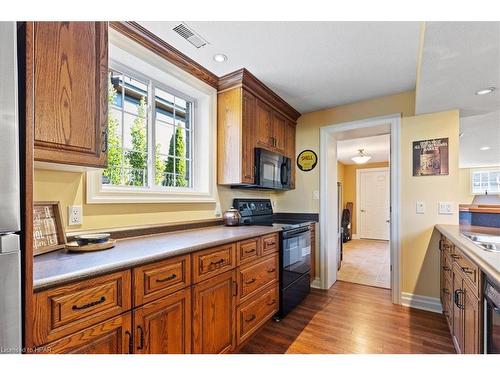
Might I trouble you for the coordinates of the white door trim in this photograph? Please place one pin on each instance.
(358, 172)
(328, 213)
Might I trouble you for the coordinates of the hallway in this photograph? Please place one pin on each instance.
(366, 262)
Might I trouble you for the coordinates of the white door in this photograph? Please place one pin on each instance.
(374, 207)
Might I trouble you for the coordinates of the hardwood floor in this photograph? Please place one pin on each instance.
(353, 318)
(366, 262)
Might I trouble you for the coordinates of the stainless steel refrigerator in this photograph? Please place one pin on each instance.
(10, 221)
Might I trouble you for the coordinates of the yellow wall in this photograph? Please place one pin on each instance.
(69, 189)
(349, 186)
(340, 172)
(301, 199)
(419, 242)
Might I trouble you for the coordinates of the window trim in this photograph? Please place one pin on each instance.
(480, 170)
(205, 102)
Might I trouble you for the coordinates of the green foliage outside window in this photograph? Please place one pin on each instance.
(178, 165)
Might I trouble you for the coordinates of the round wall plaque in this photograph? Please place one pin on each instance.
(307, 160)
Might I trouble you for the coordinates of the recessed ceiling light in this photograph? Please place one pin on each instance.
(485, 148)
(220, 57)
(486, 91)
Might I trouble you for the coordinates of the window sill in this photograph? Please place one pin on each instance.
(98, 194)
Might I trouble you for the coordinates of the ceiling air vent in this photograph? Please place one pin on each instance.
(190, 35)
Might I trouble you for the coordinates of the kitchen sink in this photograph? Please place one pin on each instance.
(484, 241)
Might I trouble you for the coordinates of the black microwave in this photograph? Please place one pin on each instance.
(272, 170)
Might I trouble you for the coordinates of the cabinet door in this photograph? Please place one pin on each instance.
(70, 63)
(110, 337)
(457, 311)
(164, 326)
(278, 133)
(472, 322)
(290, 148)
(214, 314)
(248, 138)
(263, 129)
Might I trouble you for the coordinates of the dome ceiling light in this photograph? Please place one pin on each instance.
(361, 158)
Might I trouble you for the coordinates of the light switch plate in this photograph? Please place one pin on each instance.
(218, 211)
(445, 208)
(420, 207)
(74, 215)
(316, 195)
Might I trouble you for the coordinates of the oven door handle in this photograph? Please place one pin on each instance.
(294, 232)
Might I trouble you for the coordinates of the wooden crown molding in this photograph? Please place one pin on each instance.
(242, 77)
(247, 80)
(152, 42)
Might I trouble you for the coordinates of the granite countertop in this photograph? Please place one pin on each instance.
(60, 267)
(488, 261)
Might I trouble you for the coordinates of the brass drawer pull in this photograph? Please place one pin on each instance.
(141, 338)
(446, 268)
(271, 270)
(250, 251)
(251, 318)
(270, 303)
(455, 256)
(271, 243)
(130, 343)
(446, 291)
(218, 262)
(467, 270)
(250, 281)
(90, 304)
(171, 277)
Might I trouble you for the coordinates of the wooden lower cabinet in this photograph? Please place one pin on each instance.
(214, 308)
(112, 336)
(461, 299)
(164, 326)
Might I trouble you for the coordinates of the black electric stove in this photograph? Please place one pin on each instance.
(294, 254)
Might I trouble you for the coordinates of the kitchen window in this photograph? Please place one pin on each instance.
(485, 181)
(161, 131)
(141, 114)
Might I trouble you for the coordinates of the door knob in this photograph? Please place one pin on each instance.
(387, 221)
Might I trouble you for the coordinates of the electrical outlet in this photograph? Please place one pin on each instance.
(445, 208)
(218, 212)
(74, 215)
(420, 207)
(316, 194)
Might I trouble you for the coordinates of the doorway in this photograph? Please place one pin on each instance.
(329, 208)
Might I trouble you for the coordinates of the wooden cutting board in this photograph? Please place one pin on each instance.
(73, 246)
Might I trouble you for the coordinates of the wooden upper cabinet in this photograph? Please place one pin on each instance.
(164, 326)
(250, 115)
(68, 66)
(263, 132)
(214, 309)
(279, 133)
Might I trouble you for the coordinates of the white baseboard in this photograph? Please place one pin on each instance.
(355, 236)
(421, 302)
(316, 283)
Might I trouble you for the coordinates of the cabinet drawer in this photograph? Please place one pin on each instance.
(447, 294)
(256, 276)
(270, 244)
(248, 250)
(446, 245)
(159, 279)
(214, 261)
(447, 266)
(67, 309)
(252, 314)
(470, 271)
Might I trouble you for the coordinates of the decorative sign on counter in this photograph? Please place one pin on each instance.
(48, 231)
(307, 160)
(430, 157)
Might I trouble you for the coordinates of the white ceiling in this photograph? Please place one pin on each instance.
(472, 140)
(377, 147)
(458, 59)
(311, 65)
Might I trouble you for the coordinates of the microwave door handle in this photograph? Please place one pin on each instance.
(284, 173)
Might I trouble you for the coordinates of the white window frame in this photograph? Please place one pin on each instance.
(203, 145)
(481, 170)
